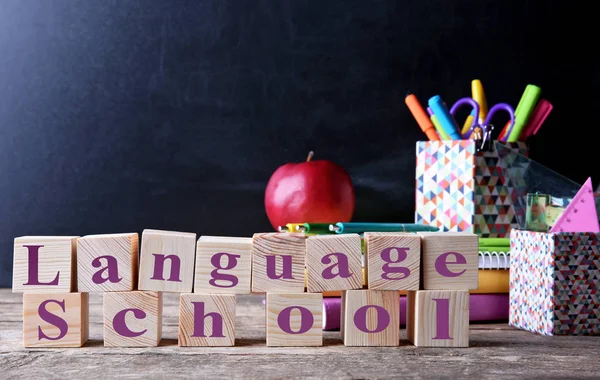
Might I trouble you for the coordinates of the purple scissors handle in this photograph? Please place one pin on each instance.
(470, 102)
(496, 108)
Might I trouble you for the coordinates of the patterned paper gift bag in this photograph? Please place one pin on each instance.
(460, 189)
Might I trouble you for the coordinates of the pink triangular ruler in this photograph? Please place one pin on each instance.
(580, 215)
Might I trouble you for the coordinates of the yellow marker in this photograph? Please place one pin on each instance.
(290, 227)
(439, 129)
(467, 124)
(479, 97)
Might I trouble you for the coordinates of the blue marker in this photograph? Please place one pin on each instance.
(445, 119)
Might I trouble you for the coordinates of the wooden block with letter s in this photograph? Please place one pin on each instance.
(278, 261)
(206, 320)
(294, 319)
(392, 260)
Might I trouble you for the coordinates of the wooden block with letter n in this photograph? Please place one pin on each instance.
(107, 263)
(438, 318)
(333, 262)
(206, 320)
(132, 319)
(294, 319)
(370, 318)
(278, 261)
(45, 264)
(392, 260)
(55, 319)
(450, 260)
(167, 261)
(223, 265)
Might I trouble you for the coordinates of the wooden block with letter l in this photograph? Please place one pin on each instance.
(45, 264)
(294, 319)
(132, 319)
(55, 319)
(167, 261)
(107, 263)
(438, 318)
(370, 318)
(333, 262)
(278, 261)
(449, 260)
(223, 265)
(392, 260)
(206, 320)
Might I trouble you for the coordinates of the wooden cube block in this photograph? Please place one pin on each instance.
(45, 264)
(167, 261)
(107, 263)
(55, 319)
(438, 318)
(449, 260)
(206, 320)
(223, 265)
(393, 260)
(294, 319)
(278, 261)
(333, 262)
(132, 319)
(370, 318)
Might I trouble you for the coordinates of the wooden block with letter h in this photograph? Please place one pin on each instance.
(206, 320)
(392, 260)
(294, 319)
(278, 261)
(370, 318)
(333, 262)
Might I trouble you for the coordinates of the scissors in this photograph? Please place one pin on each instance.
(486, 128)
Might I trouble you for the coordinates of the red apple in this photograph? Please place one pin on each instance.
(317, 191)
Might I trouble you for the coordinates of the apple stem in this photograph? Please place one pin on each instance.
(310, 155)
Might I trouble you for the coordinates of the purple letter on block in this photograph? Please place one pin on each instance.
(159, 267)
(386, 255)
(200, 316)
(360, 319)
(33, 267)
(306, 320)
(53, 320)
(441, 264)
(342, 265)
(215, 260)
(442, 317)
(121, 327)
(286, 271)
(111, 269)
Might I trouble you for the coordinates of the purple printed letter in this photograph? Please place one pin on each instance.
(306, 320)
(215, 260)
(33, 267)
(120, 325)
(442, 317)
(286, 271)
(441, 264)
(200, 316)
(343, 268)
(386, 255)
(159, 267)
(111, 269)
(53, 320)
(360, 319)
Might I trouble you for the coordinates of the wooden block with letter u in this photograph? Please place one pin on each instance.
(278, 261)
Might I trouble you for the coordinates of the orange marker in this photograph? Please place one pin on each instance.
(421, 117)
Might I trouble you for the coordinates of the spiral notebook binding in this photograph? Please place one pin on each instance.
(494, 260)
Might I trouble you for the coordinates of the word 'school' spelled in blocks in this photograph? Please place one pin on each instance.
(333, 262)
(206, 320)
(278, 261)
(393, 260)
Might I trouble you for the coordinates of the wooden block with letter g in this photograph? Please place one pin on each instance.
(107, 263)
(55, 319)
(450, 260)
(392, 260)
(333, 262)
(206, 320)
(45, 264)
(370, 318)
(438, 318)
(278, 261)
(294, 319)
(167, 261)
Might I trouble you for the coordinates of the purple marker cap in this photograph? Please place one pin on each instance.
(429, 111)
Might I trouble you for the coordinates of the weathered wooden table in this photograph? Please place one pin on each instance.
(497, 351)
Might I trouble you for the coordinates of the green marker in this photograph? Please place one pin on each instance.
(524, 109)
(314, 228)
(350, 227)
(439, 129)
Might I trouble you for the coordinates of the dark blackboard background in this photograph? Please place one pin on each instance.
(121, 115)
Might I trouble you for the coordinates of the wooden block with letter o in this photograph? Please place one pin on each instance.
(107, 263)
(449, 260)
(55, 319)
(392, 260)
(206, 320)
(438, 318)
(45, 264)
(294, 319)
(167, 261)
(132, 319)
(333, 262)
(278, 261)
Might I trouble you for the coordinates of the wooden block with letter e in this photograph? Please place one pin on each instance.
(333, 262)
(45, 264)
(278, 261)
(206, 320)
(450, 260)
(438, 318)
(167, 261)
(55, 319)
(370, 318)
(107, 263)
(223, 265)
(132, 319)
(392, 260)
(294, 319)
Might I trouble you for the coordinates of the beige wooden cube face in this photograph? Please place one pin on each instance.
(449, 260)
(206, 320)
(294, 320)
(278, 262)
(393, 261)
(371, 317)
(438, 318)
(333, 262)
(45, 264)
(223, 265)
(167, 261)
(55, 319)
(107, 263)
(132, 319)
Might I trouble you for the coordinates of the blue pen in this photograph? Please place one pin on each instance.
(445, 119)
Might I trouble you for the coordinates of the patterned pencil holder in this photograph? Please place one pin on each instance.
(460, 189)
(554, 282)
